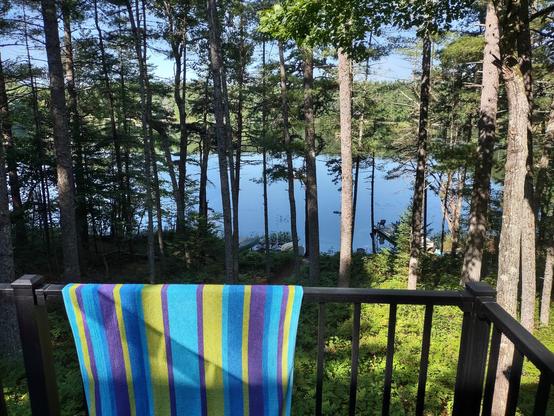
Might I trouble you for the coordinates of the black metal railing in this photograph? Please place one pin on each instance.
(484, 323)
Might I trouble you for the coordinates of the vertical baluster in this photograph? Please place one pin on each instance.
(354, 359)
(491, 372)
(424, 363)
(541, 398)
(472, 358)
(515, 381)
(390, 357)
(320, 358)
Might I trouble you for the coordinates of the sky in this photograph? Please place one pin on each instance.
(395, 66)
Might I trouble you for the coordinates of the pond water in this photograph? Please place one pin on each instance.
(392, 198)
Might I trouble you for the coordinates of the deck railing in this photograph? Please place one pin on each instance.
(484, 323)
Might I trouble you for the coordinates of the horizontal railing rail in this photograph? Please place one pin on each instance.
(484, 324)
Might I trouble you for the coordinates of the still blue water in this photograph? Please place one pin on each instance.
(392, 198)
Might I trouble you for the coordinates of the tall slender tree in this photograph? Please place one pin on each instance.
(513, 210)
(345, 105)
(221, 111)
(120, 206)
(288, 151)
(75, 128)
(62, 143)
(480, 197)
(145, 119)
(18, 215)
(311, 173)
(7, 266)
(419, 185)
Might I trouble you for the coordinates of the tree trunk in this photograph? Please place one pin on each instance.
(7, 268)
(311, 176)
(509, 250)
(121, 207)
(355, 196)
(62, 144)
(288, 150)
(373, 235)
(8, 323)
(221, 131)
(419, 185)
(446, 194)
(145, 119)
(39, 147)
(18, 214)
(345, 105)
(204, 158)
(547, 285)
(75, 130)
(457, 214)
(528, 230)
(473, 256)
(264, 163)
(543, 177)
(179, 93)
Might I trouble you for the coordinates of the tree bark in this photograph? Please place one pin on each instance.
(221, 132)
(345, 105)
(288, 150)
(547, 286)
(528, 230)
(473, 256)
(62, 144)
(18, 214)
(419, 185)
(509, 250)
(311, 175)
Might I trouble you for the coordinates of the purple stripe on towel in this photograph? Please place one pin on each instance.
(168, 352)
(255, 353)
(199, 315)
(107, 306)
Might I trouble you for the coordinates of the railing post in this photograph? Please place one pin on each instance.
(35, 343)
(472, 358)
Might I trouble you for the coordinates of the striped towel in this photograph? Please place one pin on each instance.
(185, 349)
